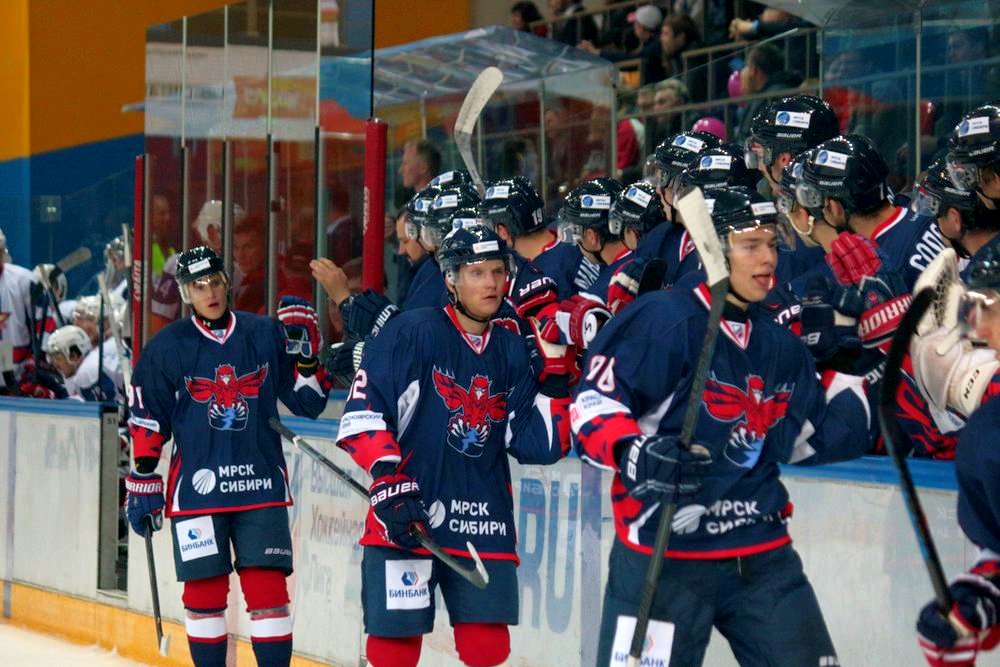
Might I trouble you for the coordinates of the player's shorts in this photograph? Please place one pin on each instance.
(260, 538)
(397, 593)
(762, 604)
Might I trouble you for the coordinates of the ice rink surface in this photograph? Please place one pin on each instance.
(24, 647)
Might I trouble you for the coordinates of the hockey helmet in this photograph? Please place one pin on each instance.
(974, 145)
(4, 255)
(515, 204)
(637, 208)
(936, 193)
(196, 263)
(846, 168)
(785, 199)
(417, 210)
(54, 276)
(738, 209)
(677, 153)
(471, 245)
(69, 340)
(210, 216)
(437, 224)
(447, 179)
(587, 207)
(789, 124)
(115, 249)
(717, 167)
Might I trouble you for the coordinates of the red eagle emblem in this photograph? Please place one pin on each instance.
(475, 410)
(757, 414)
(226, 395)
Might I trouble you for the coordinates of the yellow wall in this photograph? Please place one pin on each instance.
(402, 21)
(14, 140)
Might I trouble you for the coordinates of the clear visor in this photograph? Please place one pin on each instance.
(925, 203)
(477, 272)
(666, 178)
(411, 229)
(785, 202)
(808, 195)
(431, 236)
(747, 241)
(964, 175)
(569, 232)
(203, 285)
(756, 153)
(616, 222)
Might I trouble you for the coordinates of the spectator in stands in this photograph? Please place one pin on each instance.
(665, 123)
(249, 255)
(764, 72)
(678, 33)
(570, 30)
(421, 162)
(343, 234)
(969, 84)
(645, 26)
(164, 234)
(771, 22)
(522, 15)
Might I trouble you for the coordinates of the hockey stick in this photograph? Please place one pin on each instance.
(116, 333)
(70, 261)
(893, 436)
(698, 223)
(477, 575)
(475, 101)
(163, 641)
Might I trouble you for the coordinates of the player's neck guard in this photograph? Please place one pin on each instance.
(220, 323)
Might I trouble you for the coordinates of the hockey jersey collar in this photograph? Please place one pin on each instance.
(552, 242)
(738, 332)
(686, 246)
(895, 216)
(477, 346)
(625, 252)
(207, 333)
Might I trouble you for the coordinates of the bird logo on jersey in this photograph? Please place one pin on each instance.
(226, 395)
(757, 414)
(475, 410)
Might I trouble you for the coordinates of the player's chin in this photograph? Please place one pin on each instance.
(761, 284)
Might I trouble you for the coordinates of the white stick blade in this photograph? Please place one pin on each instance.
(479, 94)
(165, 645)
(698, 222)
(479, 563)
(74, 259)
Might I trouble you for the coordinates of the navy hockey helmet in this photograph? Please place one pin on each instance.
(846, 168)
(471, 245)
(737, 209)
(789, 124)
(936, 193)
(447, 179)
(717, 167)
(676, 153)
(637, 208)
(418, 208)
(785, 199)
(587, 207)
(199, 262)
(515, 204)
(974, 145)
(437, 224)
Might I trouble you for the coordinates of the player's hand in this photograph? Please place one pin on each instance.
(397, 505)
(145, 501)
(343, 359)
(972, 624)
(633, 279)
(34, 390)
(825, 331)
(853, 257)
(950, 373)
(366, 313)
(535, 295)
(556, 367)
(577, 322)
(332, 278)
(301, 325)
(654, 467)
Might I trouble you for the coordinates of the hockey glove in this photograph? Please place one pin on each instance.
(972, 624)
(656, 466)
(577, 322)
(301, 324)
(343, 359)
(950, 373)
(530, 299)
(144, 501)
(555, 366)
(633, 279)
(398, 508)
(366, 313)
(853, 257)
(824, 329)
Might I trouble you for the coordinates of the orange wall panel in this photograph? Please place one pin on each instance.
(14, 79)
(402, 21)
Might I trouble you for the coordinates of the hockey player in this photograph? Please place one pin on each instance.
(16, 315)
(80, 365)
(637, 212)
(59, 288)
(583, 220)
(782, 129)
(441, 399)
(966, 223)
(87, 316)
(211, 383)
(730, 562)
(973, 623)
(974, 154)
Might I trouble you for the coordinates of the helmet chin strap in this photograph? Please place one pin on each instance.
(460, 307)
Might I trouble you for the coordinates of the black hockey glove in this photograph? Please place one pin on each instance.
(825, 330)
(366, 313)
(973, 623)
(656, 466)
(343, 359)
(398, 508)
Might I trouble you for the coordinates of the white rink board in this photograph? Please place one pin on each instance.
(853, 536)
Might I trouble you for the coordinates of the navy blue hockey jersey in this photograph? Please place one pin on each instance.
(671, 243)
(452, 406)
(910, 241)
(760, 408)
(214, 392)
(977, 465)
(565, 264)
(603, 281)
(427, 289)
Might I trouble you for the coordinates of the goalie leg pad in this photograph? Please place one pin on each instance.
(482, 644)
(394, 651)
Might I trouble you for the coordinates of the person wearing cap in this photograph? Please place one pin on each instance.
(645, 22)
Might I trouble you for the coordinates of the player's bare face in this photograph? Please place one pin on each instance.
(480, 287)
(753, 257)
(987, 320)
(89, 325)
(65, 367)
(208, 296)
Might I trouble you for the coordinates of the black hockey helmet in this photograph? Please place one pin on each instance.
(447, 179)
(196, 263)
(437, 224)
(846, 168)
(785, 199)
(736, 209)
(587, 207)
(471, 245)
(936, 193)
(717, 167)
(676, 153)
(515, 204)
(418, 208)
(974, 145)
(638, 208)
(789, 124)
(466, 217)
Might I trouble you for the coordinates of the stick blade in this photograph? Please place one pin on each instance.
(74, 259)
(698, 222)
(479, 94)
(165, 645)
(480, 568)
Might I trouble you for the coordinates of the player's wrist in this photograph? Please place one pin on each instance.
(145, 466)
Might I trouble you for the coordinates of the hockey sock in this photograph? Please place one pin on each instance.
(393, 651)
(266, 594)
(205, 622)
(482, 644)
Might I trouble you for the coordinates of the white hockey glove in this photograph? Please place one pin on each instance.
(949, 372)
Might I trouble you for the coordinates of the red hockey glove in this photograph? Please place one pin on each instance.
(971, 626)
(301, 325)
(556, 367)
(633, 279)
(533, 297)
(398, 505)
(36, 390)
(576, 322)
(145, 502)
(852, 258)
